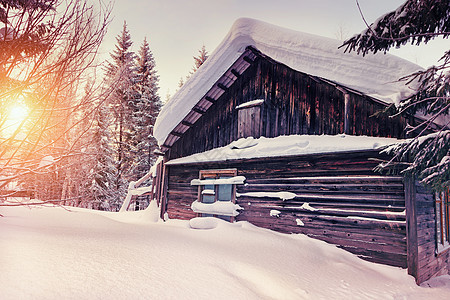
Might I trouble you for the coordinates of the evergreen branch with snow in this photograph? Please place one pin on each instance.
(417, 21)
(414, 21)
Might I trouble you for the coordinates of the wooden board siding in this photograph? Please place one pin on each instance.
(357, 209)
(423, 261)
(295, 103)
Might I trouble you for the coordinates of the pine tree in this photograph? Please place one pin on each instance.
(76, 191)
(147, 106)
(200, 59)
(101, 178)
(417, 22)
(120, 77)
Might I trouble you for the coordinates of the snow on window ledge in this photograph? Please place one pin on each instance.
(231, 180)
(224, 208)
(250, 103)
(208, 192)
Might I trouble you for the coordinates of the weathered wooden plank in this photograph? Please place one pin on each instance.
(330, 202)
(349, 212)
(340, 183)
(289, 220)
(435, 267)
(369, 237)
(368, 209)
(330, 195)
(329, 222)
(374, 179)
(392, 259)
(328, 188)
(371, 246)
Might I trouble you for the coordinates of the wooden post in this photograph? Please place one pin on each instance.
(152, 194)
(346, 113)
(158, 184)
(411, 226)
(346, 109)
(164, 183)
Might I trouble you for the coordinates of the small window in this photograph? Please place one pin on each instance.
(249, 119)
(442, 220)
(210, 193)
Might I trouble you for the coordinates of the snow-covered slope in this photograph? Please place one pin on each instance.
(375, 75)
(52, 253)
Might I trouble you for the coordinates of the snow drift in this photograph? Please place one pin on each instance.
(54, 253)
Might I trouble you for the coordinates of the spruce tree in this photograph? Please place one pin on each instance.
(101, 178)
(147, 105)
(120, 78)
(417, 22)
(200, 59)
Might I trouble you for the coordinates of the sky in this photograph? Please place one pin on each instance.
(177, 29)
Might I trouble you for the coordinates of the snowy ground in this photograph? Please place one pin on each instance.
(53, 253)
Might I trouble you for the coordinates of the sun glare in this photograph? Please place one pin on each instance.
(18, 112)
(15, 115)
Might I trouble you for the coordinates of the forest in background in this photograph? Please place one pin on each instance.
(74, 131)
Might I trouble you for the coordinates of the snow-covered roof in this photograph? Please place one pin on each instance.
(374, 75)
(287, 145)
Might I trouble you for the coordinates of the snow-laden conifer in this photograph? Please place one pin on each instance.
(418, 22)
(120, 76)
(146, 107)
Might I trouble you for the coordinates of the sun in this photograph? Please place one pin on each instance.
(15, 115)
(18, 112)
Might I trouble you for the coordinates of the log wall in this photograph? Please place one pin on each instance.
(423, 261)
(353, 207)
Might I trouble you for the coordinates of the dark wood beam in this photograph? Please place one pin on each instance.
(208, 98)
(235, 73)
(197, 110)
(166, 146)
(248, 59)
(178, 134)
(346, 113)
(223, 87)
(186, 123)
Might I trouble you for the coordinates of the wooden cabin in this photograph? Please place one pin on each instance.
(283, 130)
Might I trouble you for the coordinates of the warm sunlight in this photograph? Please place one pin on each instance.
(15, 115)
(18, 112)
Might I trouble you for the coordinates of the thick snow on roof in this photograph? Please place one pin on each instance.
(287, 145)
(375, 75)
